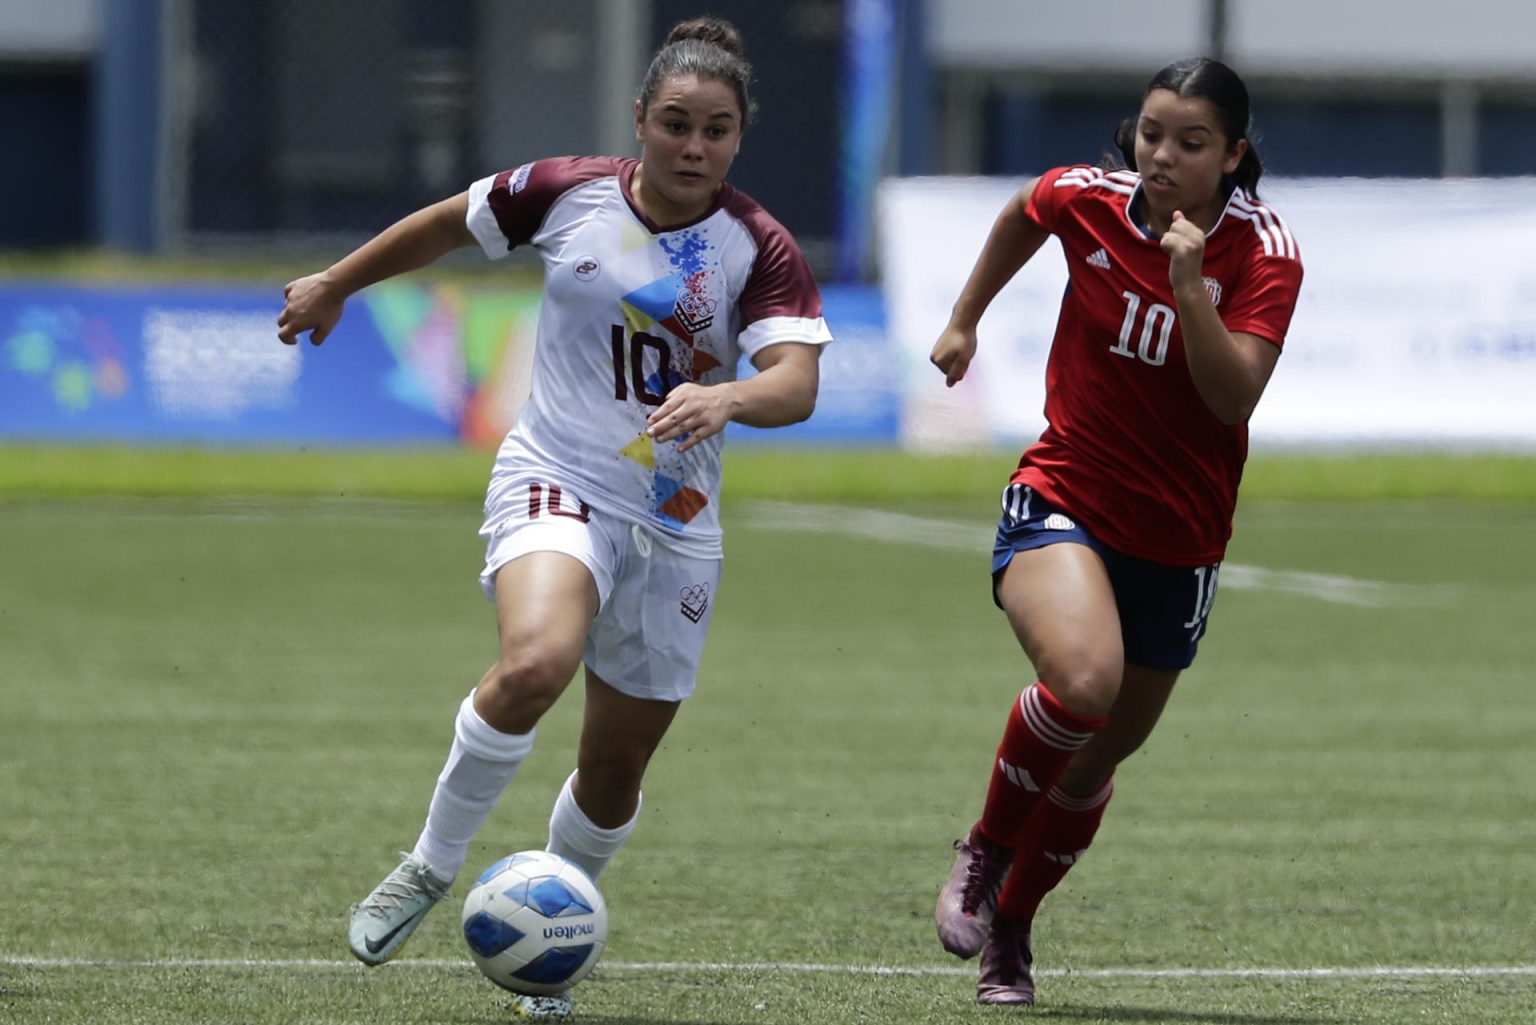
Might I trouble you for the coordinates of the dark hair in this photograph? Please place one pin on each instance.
(1208, 79)
(709, 49)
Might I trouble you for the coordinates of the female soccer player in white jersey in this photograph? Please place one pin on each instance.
(602, 529)
(1181, 289)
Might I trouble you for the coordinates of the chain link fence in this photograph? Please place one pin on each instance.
(306, 124)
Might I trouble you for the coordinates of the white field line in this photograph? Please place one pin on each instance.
(789, 967)
(900, 528)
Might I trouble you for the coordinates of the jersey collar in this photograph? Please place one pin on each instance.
(627, 171)
(1141, 228)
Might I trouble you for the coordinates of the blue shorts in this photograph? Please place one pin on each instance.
(1163, 609)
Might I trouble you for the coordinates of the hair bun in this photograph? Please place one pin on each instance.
(714, 31)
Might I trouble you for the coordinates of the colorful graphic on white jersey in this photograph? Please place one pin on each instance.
(681, 302)
(631, 312)
(682, 305)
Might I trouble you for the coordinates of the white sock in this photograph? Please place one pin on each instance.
(574, 836)
(481, 762)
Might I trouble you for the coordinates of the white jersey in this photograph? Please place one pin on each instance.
(630, 311)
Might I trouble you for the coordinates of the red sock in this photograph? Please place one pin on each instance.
(1058, 837)
(1042, 734)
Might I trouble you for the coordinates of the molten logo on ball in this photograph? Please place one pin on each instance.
(535, 923)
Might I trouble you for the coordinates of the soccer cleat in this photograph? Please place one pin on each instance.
(386, 918)
(969, 897)
(1005, 965)
(557, 1006)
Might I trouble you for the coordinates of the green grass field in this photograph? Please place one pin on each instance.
(220, 717)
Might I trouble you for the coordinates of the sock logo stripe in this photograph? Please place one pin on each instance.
(1061, 799)
(1038, 718)
(1019, 776)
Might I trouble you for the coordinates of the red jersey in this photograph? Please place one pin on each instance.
(1130, 447)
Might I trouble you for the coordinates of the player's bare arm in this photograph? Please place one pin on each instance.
(782, 392)
(1013, 240)
(1230, 370)
(314, 303)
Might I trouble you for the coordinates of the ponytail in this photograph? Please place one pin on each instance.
(1125, 144)
(1249, 170)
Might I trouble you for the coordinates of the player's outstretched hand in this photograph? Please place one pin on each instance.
(1184, 243)
(691, 412)
(309, 304)
(953, 352)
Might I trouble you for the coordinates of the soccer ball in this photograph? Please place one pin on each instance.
(535, 923)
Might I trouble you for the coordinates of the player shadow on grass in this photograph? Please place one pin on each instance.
(1151, 1015)
(1126, 1015)
(583, 1018)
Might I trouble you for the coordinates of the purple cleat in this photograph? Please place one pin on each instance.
(1005, 965)
(969, 897)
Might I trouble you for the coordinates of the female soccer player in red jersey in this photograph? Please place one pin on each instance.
(1181, 289)
(603, 542)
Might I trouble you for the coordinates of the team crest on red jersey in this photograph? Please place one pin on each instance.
(1213, 289)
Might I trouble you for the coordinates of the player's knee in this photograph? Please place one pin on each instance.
(524, 683)
(1087, 685)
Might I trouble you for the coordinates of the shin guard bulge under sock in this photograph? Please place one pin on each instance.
(1041, 736)
(481, 762)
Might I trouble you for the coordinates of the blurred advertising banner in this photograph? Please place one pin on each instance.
(408, 364)
(1416, 324)
(184, 365)
(859, 401)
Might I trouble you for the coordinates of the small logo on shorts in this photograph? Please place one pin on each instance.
(695, 601)
(587, 268)
(1056, 521)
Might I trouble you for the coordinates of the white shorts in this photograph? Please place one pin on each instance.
(654, 603)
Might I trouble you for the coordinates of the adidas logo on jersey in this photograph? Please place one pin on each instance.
(1099, 259)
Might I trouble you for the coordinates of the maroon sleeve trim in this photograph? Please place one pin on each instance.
(521, 197)
(781, 283)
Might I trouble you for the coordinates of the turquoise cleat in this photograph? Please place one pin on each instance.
(386, 918)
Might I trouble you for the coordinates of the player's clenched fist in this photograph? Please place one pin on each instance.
(309, 304)
(1184, 243)
(953, 353)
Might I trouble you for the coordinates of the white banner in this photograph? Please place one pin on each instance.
(1416, 323)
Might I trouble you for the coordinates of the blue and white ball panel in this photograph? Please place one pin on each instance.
(535, 923)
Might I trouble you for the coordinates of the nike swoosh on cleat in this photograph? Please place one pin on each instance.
(376, 945)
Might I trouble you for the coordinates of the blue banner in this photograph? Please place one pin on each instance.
(185, 365)
(859, 402)
(408, 364)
